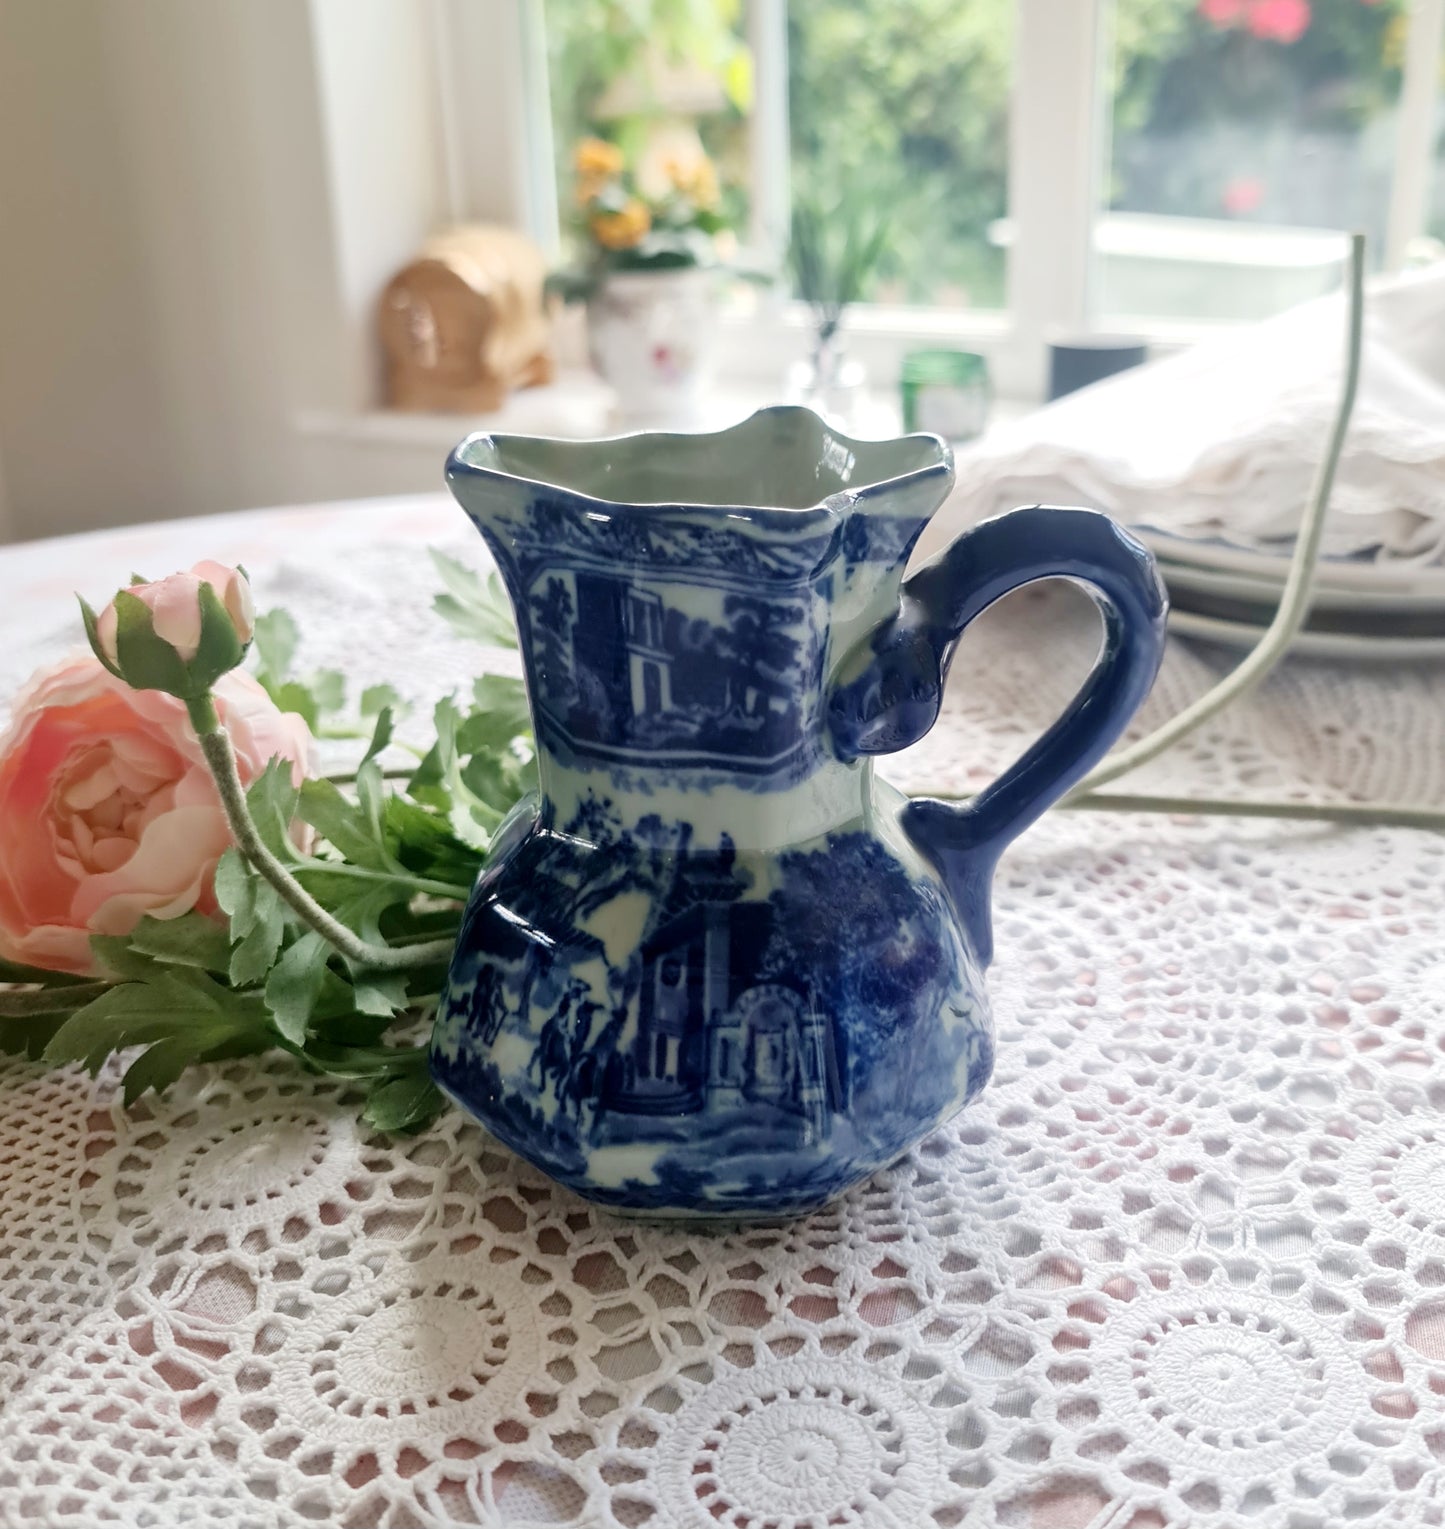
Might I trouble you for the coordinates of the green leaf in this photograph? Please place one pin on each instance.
(376, 698)
(190, 940)
(380, 735)
(146, 661)
(256, 949)
(501, 715)
(363, 1061)
(275, 640)
(328, 686)
(493, 789)
(351, 1029)
(379, 994)
(402, 924)
(345, 824)
(333, 887)
(292, 695)
(475, 607)
(424, 844)
(220, 648)
(115, 954)
(464, 582)
(362, 909)
(336, 1001)
(427, 784)
(235, 884)
(464, 620)
(30, 1035)
(438, 781)
(92, 633)
(370, 795)
(294, 984)
(272, 800)
(169, 1005)
(158, 1067)
(506, 694)
(400, 1104)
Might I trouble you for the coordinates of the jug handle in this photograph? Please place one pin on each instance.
(894, 699)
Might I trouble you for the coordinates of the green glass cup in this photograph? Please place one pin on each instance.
(946, 392)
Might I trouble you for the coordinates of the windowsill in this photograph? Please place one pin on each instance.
(577, 404)
(756, 351)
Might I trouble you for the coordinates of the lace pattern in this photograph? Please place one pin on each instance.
(1182, 1262)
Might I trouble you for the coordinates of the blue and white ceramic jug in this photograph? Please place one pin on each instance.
(717, 968)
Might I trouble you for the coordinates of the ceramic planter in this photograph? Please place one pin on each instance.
(652, 336)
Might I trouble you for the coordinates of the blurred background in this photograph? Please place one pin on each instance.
(221, 281)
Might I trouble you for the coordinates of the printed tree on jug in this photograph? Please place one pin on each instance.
(552, 612)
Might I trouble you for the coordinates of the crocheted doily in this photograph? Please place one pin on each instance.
(1184, 1262)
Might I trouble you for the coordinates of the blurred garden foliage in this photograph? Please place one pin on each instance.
(1215, 104)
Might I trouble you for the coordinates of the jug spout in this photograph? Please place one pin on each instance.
(881, 527)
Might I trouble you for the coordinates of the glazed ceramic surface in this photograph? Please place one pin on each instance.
(716, 967)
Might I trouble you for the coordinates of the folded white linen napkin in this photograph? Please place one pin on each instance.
(1222, 440)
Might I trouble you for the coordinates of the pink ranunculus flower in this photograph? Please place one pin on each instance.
(175, 608)
(107, 809)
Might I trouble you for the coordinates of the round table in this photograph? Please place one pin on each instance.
(1184, 1262)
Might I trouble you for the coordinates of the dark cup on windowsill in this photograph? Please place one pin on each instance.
(1077, 360)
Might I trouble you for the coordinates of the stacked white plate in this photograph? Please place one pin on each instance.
(1361, 608)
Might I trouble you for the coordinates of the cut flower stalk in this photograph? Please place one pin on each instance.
(221, 760)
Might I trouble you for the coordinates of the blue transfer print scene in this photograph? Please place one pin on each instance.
(681, 649)
(623, 672)
(738, 1057)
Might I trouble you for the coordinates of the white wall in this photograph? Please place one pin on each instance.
(198, 202)
(79, 404)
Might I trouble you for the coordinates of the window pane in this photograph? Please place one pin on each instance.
(905, 103)
(1430, 246)
(1246, 135)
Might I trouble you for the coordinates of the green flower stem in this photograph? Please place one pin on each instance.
(366, 1061)
(445, 889)
(348, 777)
(1294, 601)
(49, 1000)
(1355, 814)
(1360, 814)
(221, 757)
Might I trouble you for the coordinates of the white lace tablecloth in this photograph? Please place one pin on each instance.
(1184, 1263)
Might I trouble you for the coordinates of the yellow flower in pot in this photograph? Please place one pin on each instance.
(596, 159)
(623, 229)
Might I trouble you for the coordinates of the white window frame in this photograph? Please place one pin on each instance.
(496, 126)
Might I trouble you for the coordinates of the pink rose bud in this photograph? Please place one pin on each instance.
(175, 608)
(172, 623)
